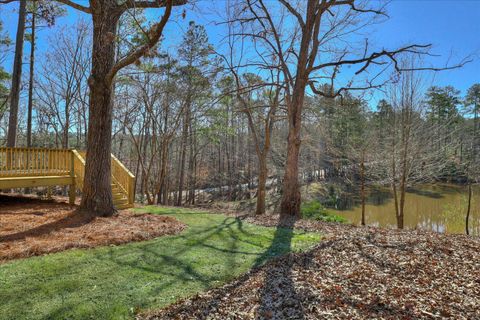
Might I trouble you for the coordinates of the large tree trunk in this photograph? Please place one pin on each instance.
(262, 184)
(476, 143)
(291, 198)
(162, 192)
(97, 193)
(192, 165)
(16, 77)
(30, 85)
(30, 81)
(362, 177)
(183, 154)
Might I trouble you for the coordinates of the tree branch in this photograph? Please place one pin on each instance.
(66, 2)
(76, 6)
(351, 3)
(294, 12)
(415, 48)
(131, 4)
(154, 35)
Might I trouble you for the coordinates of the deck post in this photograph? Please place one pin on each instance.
(131, 191)
(71, 190)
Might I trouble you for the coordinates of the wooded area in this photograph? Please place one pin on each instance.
(200, 117)
(270, 159)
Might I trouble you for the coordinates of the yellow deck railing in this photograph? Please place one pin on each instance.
(121, 176)
(78, 168)
(23, 162)
(124, 178)
(35, 162)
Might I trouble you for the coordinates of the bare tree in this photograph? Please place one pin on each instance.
(258, 98)
(412, 155)
(296, 33)
(261, 116)
(64, 74)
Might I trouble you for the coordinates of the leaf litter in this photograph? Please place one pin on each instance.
(354, 273)
(31, 227)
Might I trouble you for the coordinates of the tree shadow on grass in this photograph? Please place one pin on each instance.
(230, 240)
(228, 243)
(157, 272)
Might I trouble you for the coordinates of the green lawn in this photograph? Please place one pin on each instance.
(115, 282)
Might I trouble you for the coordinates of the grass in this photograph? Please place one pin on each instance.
(316, 211)
(115, 282)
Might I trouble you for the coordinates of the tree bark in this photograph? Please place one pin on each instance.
(183, 153)
(467, 218)
(362, 177)
(475, 131)
(191, 164)
(291, 199)
(406, 124)
(97, 193)
(394, 171)
(16, 77)
(262, 184)
(30, 82)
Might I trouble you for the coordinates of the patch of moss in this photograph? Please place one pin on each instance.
(316, 211)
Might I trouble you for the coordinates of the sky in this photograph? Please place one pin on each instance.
(452, 26)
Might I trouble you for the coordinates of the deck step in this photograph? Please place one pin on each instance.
(120, 198)
(124, 206)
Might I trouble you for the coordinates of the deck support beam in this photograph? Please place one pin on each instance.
(31, 182)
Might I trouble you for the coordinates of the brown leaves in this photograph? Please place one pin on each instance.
(30, 227)
(355, 273)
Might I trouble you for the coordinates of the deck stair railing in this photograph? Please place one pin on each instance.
(28, 167)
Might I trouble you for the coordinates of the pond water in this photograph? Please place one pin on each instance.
(439, 207)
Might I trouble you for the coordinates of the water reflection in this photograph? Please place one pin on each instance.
(439, 207)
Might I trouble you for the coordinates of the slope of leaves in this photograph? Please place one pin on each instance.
(355, 273)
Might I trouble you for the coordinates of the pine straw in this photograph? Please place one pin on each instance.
(31, 227)
(354, 273)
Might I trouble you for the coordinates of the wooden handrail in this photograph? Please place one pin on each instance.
(121, 176)
(124, 178)
(28, 162)
(21, 162)
(79, 168)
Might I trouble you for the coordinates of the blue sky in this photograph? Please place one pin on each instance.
(452, 26)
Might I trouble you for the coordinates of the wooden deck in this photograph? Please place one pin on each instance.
(33, 167)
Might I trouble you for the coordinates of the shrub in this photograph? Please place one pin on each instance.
(316, 211)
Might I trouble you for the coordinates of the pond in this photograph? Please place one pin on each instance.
(439, 207)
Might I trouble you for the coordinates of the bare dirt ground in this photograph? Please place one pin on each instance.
(30, 227)
(354, 273)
